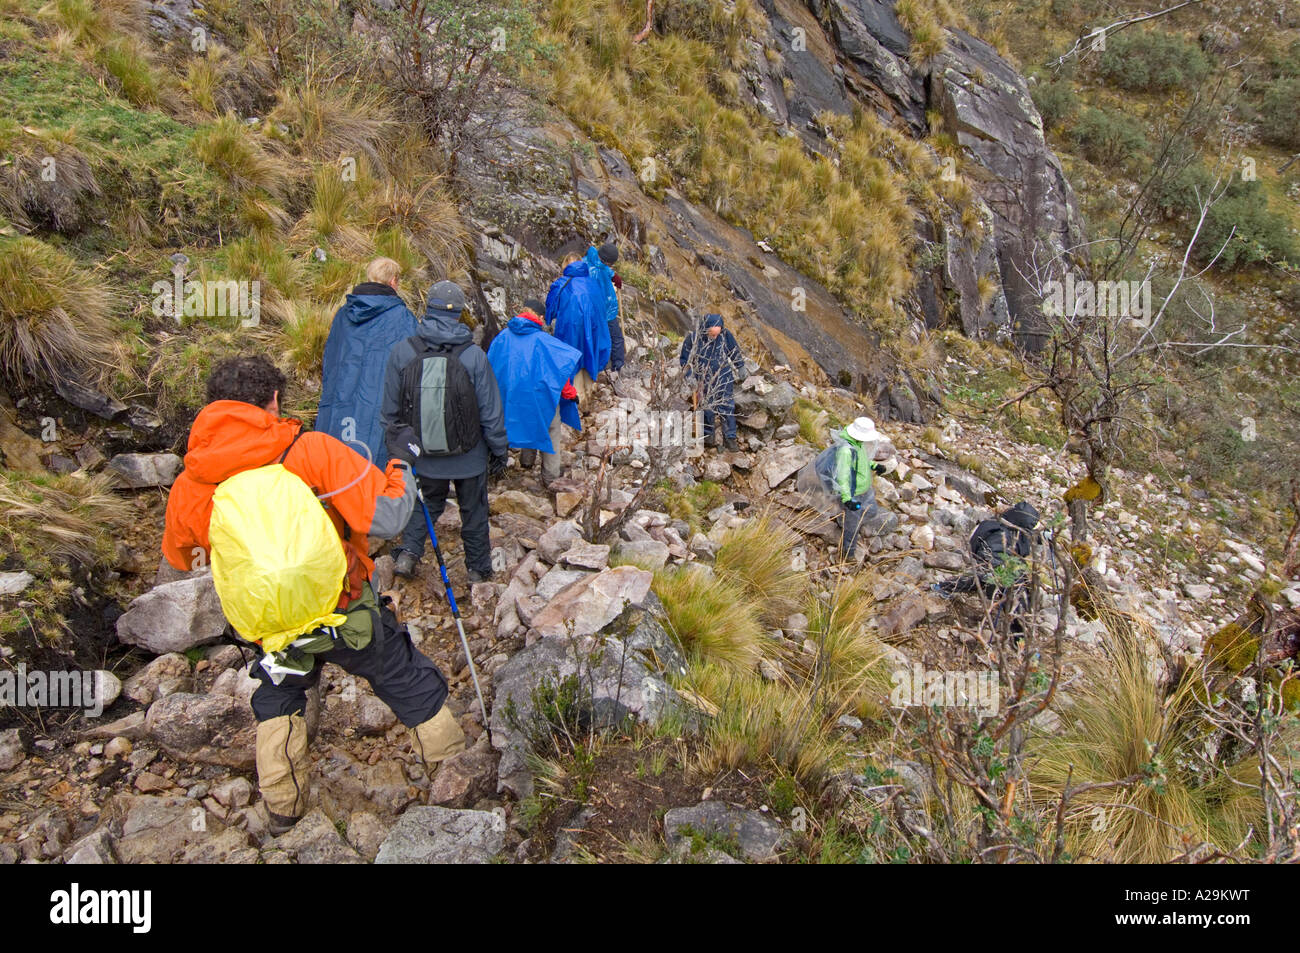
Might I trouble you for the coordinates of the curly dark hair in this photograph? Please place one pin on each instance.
(254, 380)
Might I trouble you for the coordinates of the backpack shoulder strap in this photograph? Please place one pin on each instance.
(301, 431)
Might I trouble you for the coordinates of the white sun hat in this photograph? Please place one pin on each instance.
(863, 429)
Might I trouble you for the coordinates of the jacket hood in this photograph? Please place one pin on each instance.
(522, 325)
(366, 302)
(577, 269)
(230, 436)
(439, 328)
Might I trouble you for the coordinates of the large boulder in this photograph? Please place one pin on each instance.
(174, 617)
(440, 835)
(211, 729)
(141, 470)
(158, 830)
(588, 605)
(780, 463)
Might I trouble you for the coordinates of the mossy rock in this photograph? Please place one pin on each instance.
(1081, 554)
(1083, 603)
(1233, 647)
(1086, 489)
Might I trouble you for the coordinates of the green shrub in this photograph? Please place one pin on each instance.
(1109, 139)
(1056, 102)
(1247, 231)
(1176, 195)
(1278, 112)
(1153, 61)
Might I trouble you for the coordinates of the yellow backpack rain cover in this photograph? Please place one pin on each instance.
(277, 561)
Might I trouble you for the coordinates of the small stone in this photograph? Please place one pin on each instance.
(12, 583)
(11, 749)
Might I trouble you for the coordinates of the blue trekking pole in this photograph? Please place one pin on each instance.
(451, 598)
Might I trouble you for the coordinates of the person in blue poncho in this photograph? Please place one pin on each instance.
(576, 306)
(533, 371)
(373, 318)
(600, 263)
(713, 361)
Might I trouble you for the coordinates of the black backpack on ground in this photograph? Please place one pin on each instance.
(993, 541)
(439, 401)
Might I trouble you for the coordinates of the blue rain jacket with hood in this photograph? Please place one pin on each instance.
(604, 276)
(440, 327)
(532, 368)
(373, 318)
(576, 306)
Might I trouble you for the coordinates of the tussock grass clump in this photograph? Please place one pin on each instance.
(713, 617)
(49, 522)
(850, 665)
(29, 196)
(304, 329)
(1119, 725)
(331, 221)
(90, 22)
(422, 207)
(127, 62)
(762, 725)
(54, 317)
(233, 152)
(330, 123)
(757, 557)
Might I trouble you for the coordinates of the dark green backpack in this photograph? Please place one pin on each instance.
(439, 401)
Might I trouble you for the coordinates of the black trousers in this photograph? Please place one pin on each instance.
(403, 678)
(472, 498)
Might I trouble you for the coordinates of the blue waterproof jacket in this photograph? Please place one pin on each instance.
(532, 368)
(576, 306)
(604, 275)
(373, 318)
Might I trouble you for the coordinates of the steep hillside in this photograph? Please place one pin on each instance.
(877, 196)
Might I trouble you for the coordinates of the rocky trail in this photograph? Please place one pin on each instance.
(166, 773)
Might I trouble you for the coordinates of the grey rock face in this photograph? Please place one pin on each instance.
(619, 675)
(440, 835)
(754, 835)
(986, 103)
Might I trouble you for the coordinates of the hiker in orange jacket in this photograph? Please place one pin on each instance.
(240, 429)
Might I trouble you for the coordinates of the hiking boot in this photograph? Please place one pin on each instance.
(527, 458)
(731, 443)
(475, 576)
(404, 564)
(279, 824)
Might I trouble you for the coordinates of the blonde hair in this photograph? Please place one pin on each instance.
(570, 260)
(383, 270)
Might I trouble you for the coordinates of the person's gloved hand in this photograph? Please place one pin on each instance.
(497, 464)
(403, 444)
(853, 505)
(569, 392)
